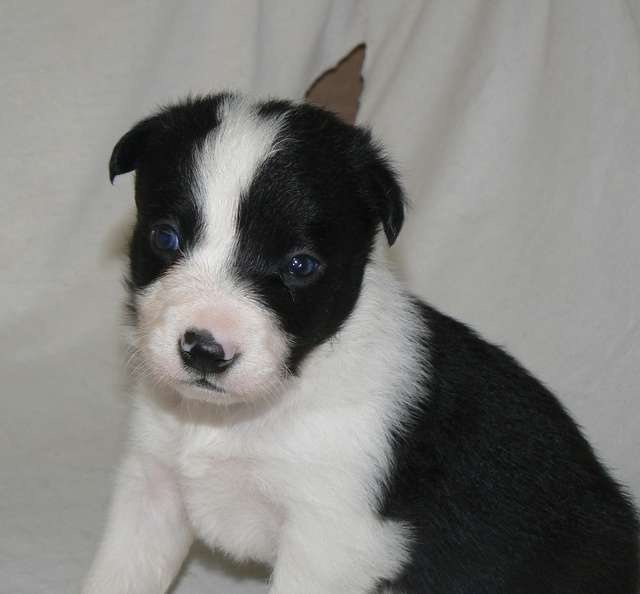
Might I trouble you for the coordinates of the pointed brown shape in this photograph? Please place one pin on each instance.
(339, 88)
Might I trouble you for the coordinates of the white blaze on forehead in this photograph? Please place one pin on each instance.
(226, 166)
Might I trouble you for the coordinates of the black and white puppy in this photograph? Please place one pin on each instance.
(297, 406)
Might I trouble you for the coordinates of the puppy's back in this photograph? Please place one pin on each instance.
(503, 492)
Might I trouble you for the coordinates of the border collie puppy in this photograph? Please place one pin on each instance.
(297, 406)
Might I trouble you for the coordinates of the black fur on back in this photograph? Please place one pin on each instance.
(502, 491)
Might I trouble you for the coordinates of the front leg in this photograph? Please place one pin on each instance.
(348, 552)
(147, 535)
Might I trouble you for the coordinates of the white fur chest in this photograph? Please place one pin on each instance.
(241, 483)
(229, 493)
(242, 479)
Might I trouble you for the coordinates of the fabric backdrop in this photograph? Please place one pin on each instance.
(516, 127)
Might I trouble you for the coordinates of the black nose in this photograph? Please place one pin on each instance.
(200, 351)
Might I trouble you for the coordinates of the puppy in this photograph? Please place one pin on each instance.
(297, 406)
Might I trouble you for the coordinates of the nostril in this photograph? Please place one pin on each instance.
(201, 351)
(198, 339)
(188, 341)
(204, 341)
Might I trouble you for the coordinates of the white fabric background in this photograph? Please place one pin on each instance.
(516, 125)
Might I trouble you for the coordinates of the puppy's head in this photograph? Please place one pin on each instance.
(255, 223)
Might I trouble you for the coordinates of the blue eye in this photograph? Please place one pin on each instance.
(302, 266)
(165, 238)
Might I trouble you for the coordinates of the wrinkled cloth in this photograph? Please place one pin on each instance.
(515, 125)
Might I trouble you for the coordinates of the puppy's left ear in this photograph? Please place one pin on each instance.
(383, 191)
(128, 150)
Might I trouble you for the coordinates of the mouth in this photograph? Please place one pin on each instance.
(204, 384)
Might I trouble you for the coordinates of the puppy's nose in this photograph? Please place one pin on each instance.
(200, 351)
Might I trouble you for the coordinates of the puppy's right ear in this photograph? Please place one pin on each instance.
(129, 148)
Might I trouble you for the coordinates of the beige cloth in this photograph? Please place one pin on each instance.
(515, 124)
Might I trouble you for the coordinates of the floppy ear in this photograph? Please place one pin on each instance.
(127, 152)
(389, 198)
(383, 190)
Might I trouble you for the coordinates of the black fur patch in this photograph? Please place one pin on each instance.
(502, 491)
(161, 150)
(315, 195)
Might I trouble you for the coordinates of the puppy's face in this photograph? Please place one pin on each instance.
(255, 224)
